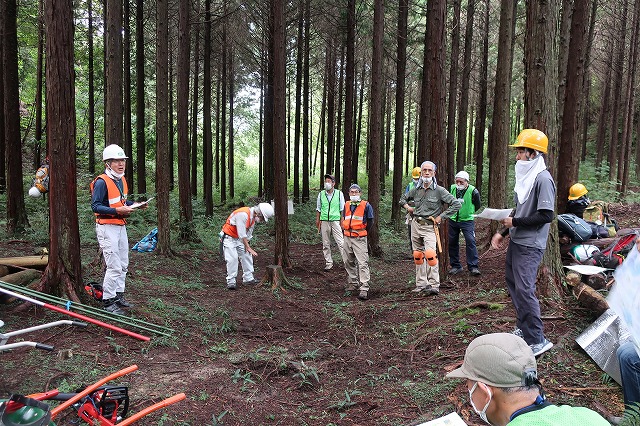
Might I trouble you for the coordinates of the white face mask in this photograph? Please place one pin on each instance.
(112, 174)
(483, 413)
(460, 187)
(354, 198)
(328, 186)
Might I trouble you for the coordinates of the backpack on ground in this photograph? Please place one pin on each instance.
(596, 211)
(612, 256)
(575, 228)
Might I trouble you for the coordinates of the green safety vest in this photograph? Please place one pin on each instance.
(468, 209)
(330, 210)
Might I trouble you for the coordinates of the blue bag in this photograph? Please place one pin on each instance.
(148, 243)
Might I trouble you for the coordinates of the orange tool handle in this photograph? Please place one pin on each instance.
(90, 389)
(130, 420)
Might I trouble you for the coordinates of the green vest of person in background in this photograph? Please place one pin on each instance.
(468, 209)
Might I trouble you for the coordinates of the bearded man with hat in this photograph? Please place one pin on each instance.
(463, 222)
(528, 229)
(502, 380)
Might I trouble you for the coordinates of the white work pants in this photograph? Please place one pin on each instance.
(233, 250)
(114, 243)
(328, 228)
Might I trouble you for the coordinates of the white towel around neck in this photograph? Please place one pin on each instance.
(526, 173)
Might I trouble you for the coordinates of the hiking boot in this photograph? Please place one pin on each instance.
(430, 291)
(474, 271)
(328, 268)
(364, 295)
(231, 286)
(111, 306)
(540, 348)
(122, 302)
(417, 289)
(351, 287)
(517, 332)
(455, 271)
(251, 282)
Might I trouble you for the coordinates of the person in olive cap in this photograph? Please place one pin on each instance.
(504, 389)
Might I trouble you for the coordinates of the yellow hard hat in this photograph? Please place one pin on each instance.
(532, 138)
(415, 173)
(576, 191)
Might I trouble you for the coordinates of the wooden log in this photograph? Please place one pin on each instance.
(597, 281)
(573, 279)
(590, 299)
(3, 270)
(25, 261)
(22, 278)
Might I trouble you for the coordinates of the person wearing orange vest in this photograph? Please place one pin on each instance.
(357, 217)
(109, 203)
(234, 239)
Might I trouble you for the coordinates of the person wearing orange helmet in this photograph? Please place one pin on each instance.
(578, 200)
(528, 229)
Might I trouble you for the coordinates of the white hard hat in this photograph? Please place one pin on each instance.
(463, 175)
(583, 251)
(34, 192)
(113, 152)
(266, 210)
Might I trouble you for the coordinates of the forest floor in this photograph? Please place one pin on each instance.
(312, 355)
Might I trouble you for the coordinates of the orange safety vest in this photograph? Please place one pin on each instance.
(353, 223)
(116, 199)
(230, 229)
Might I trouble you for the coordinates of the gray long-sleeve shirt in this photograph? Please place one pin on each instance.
(429, 201)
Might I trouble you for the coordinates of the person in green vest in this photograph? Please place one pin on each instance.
(329, 208)
(463, 222)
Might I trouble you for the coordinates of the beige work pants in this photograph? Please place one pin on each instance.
(327, 229)
(356, 261)
(422, 238)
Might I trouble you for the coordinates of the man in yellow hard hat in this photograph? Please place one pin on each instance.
(528, 229)
(578, 200)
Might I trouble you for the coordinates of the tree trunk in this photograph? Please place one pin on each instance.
(298, 104)
(306, 104)
(336, 167)
(349, 99)
(463, 118)
(231, 139)
(398, 143)
(603, 117)
(569, 153)
(141, 151)
(127, 144)
(375, 128)
(3, 170)
(207, 156)
(281, 249)
(223, 109)
(268, 155)
(16, 213)
(162, 127)
(481, 118)
(63, 275)
(113, 65)
(187, 231)
(194, 108)
(563, 52)
(453, 93)
(37, 157)
(500, 126)
(331, 106)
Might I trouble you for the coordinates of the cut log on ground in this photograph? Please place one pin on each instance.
(590, 299)
(26, 261)
(275, 277)
(23, 278)
(573, 279)
(3, 270)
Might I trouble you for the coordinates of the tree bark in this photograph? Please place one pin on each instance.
(222, 106)
(281, 252)
(298, 103)
(349, 99)
(141, 148)
(481, 118)
(306, 103)
(463, 118)
(231, 128)
(63, 275)
(375, 128)
(207, 155)
(195, 107)
(398, 143)
(453, 92)
(3, 170)
(603, 117)
(127, 142)
(37, 157)
(113, 65)
(16, 213)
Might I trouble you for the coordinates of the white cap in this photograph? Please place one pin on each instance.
(463, 175)
(34, 192)
(267, 211)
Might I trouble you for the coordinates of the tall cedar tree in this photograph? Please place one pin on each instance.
(306, 101)
(298, 103)
(569, 152)
(481, 118)
(375, 126)
(453, 93)
(38, 101)
(349, 100)
(63, 275)
(141, 151)
(540, 106)
(281, 253)
(500, 130)
(113, 114)
(398, 144)
(16, 213)
(463, 108)
(92, 96)
(207, 155)
(195, 107)
(127, 143)
(231, 75)
(162, 127)
(2, 122)
(222, 106)
(186, 211)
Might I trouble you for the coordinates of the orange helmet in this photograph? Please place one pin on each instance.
(576, 191)
(415, 173)
(532, 138)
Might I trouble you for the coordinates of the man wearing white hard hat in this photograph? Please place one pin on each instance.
(234, 241)
(109, 203)
(462, 221)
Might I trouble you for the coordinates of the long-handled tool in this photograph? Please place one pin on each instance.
(436, 230)
(5, 336)
(75, 315)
